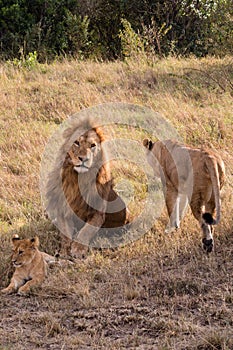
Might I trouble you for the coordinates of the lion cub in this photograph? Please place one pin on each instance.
(30, 264)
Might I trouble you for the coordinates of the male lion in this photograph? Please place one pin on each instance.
(86, 201)
(30, 265)
(188, 175)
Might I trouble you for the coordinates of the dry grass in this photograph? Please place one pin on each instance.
(161, 292)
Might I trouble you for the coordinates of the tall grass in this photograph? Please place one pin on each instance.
(160, 292)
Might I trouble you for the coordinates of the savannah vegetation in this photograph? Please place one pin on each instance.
(94, 29)
(161, 291)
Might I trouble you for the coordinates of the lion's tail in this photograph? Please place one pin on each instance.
(212, 167)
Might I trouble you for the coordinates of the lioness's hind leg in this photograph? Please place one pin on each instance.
(198, 208)
(208, 240)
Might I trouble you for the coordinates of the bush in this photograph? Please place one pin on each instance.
(87, 29)
(29, 62)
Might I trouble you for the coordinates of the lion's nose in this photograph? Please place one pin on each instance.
(82, 159)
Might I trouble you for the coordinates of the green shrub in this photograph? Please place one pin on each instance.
(29, 62)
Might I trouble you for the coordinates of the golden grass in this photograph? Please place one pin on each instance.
(160, 292)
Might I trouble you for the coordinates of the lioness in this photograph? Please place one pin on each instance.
(87, 201)
(30, 265)
(189, 175)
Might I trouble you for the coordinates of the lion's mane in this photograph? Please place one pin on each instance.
(66, 204)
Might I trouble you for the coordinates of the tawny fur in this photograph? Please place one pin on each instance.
(30, 266)
(72, 204)
(172, 162)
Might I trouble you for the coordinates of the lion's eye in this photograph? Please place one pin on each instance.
(76, 143)
(93, 145)
(20, 252)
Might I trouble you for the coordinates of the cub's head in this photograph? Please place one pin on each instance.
(23, 250)
(85, 151)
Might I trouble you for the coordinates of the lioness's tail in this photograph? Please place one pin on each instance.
(212, 167)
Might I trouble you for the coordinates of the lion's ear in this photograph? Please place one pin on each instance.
(35, 242)
(15, 239)
(67, 160)
(99, 132)
(147, 143)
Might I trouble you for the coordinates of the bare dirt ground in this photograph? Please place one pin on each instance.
(147, 296)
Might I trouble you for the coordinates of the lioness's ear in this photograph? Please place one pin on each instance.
(147, 143)
(15, 239)
(35, 242)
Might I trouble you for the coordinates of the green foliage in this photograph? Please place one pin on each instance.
(155, 38)
(30, 62)
(131, 42)
(77, 34)
(111, 29)
(221, 38)
(149, 41)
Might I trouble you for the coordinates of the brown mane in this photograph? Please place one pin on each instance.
(74, 209)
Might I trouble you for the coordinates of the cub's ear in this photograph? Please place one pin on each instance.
(35, 242)
(15, 239)
(148, 144)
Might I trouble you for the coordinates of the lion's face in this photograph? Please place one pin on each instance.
(23, 251)
(84, 151)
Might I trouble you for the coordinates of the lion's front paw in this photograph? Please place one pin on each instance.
(78, 251)
(170, 229)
